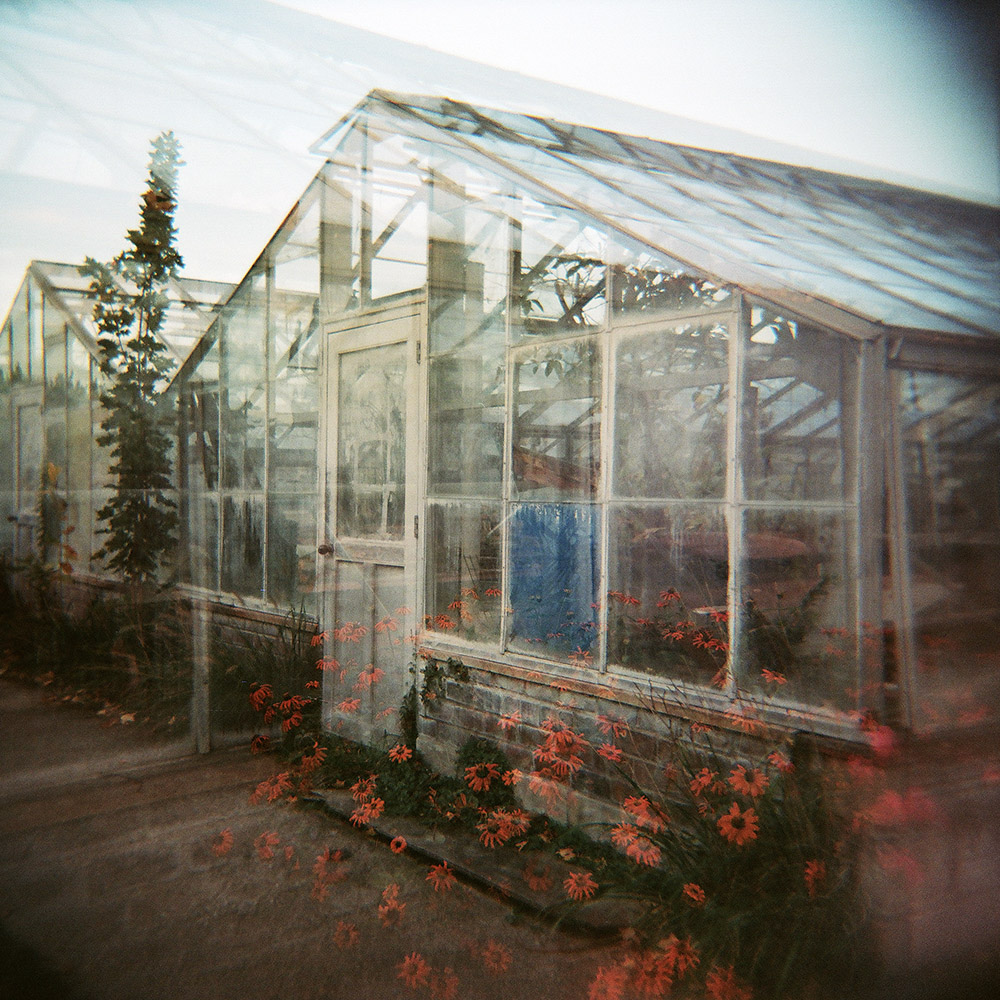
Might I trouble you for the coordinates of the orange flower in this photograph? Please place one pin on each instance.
(414, 971)
(391, 912)
(773, 677)
(647, 815)
(479, 776)
(608, 984)
(722, 984)
(608, 725)
(610, 752)
(444, 984)
(367, 811)
(349, 705)
(311, 761)
(260, 695)
(511, 777)
(560, 751)
(579, 886)
(643, 852)
(752, 784)
(815, 872)
(781, 762)
(441, 877)
(694, 893)
(398, 845)
(702, 781)
(345, 936)
(265, 845)
(652, 975)
(507, 722)
(624, 835)
(496, 957)
(223, 843)
(260, 744)
(682, 955)
(400, 753)
(538, 881)
(738, 827)
(364, 788)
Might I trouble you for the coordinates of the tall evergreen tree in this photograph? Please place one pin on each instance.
(130, 305)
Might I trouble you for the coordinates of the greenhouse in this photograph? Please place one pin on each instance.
(53, 474)
(595, 416)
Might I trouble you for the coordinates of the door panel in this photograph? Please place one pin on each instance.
(369, 565)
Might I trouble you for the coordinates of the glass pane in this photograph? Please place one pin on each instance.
(557, 421)
(371, 448)
(650, 288)
(19, 336)
(951, 441)
(291, 550)
(671, 401)
(668, 574)
(469, 258)
(554, 575)
(463, 570)
(242, 370)
(799, 411)
(243, 546)
(798, 639)
(466, 425)
(563, 275)
(29, 455)
(203, 538)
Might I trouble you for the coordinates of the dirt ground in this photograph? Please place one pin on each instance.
(110, 887)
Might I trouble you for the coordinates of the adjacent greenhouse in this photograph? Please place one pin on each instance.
(53, 474)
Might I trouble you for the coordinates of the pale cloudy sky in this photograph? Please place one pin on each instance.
(908, 85)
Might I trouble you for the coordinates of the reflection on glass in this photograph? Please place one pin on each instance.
(671, 400)
(660, 289)
(562, 292)
(371, 442)
(668, 572)
(797, 637)
(463, 570)
(465, 432)
(554, 553)
(243, 546)
(557, 421)
(951, 454)
(243, 399)
(291, 550)
(799, 415)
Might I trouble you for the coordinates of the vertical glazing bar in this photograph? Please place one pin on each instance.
(606, 451)
(871, 412)
(268, 419)
(365, 247)
(739, 331)
(513, 308)
(906, 655)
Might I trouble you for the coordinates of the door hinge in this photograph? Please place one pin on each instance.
(416, 525)
(418, 351)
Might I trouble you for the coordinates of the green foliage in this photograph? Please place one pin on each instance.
(777, 897)
(436, 672)
(130, 304)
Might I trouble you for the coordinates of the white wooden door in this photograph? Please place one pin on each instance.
(368, 554)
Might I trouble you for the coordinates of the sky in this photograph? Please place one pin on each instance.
(899, 90)
(906, 85)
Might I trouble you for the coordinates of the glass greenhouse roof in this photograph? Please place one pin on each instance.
(847, 251)
(194, 304)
